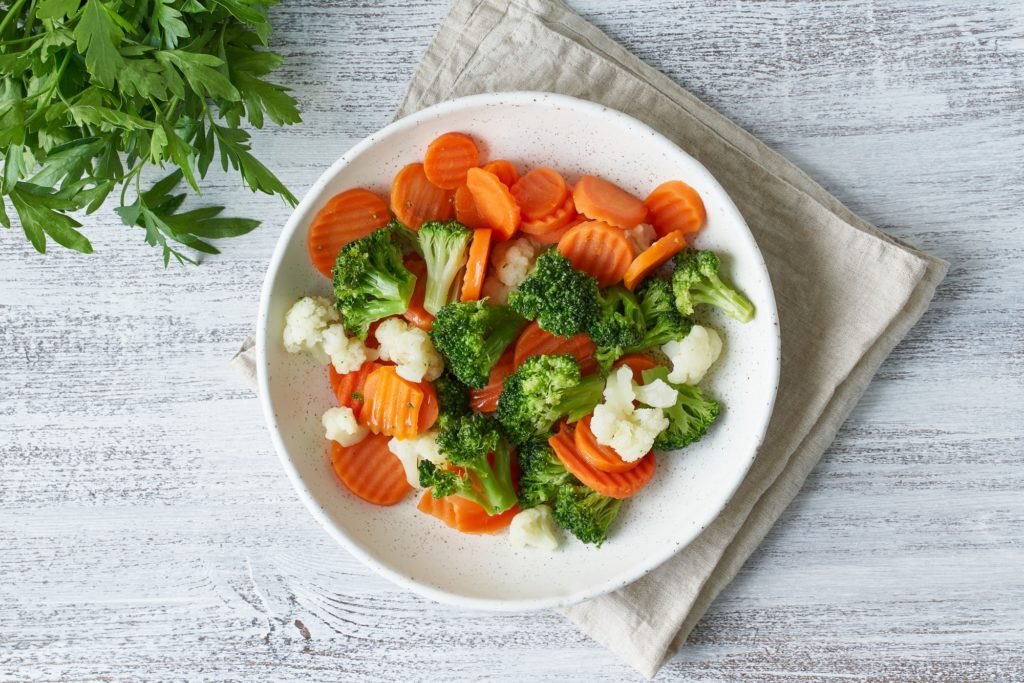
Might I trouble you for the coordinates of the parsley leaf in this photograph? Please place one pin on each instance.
(93, 93)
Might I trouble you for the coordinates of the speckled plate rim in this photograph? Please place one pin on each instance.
(767, 308)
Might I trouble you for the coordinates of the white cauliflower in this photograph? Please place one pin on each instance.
(641, 237)
(511, 262)
(618, 424)
(347, 354)
(305, 322)
(410, 451)
(410, 349)
(340, 425)
(692, 355)
(534, 528)
(656, 394)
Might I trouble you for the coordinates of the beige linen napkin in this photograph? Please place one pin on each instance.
(847, 293)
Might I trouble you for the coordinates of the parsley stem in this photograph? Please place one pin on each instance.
(11, 14)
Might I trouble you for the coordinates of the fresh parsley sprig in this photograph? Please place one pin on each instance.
(95, 91)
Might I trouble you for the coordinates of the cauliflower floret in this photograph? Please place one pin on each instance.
(410, 349)
(692, 355)
(513, 260)
(347, 353)
(305, 323)
(534, 528)
(340, 425)
(642, 236)
(616, 423)
(656, 394)
(410, 451)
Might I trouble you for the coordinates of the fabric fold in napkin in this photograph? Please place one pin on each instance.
(846, 293)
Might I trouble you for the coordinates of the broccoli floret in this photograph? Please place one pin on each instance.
(405, 238)
(542, 390)
(689, 419)
(474, 445)
(562, 300)
(371, 282)
(542, 473)
(695, 281)
(452, 398)
(472, 335)
(585, 513)
(663, 320)
(619, 326)
(444, 247)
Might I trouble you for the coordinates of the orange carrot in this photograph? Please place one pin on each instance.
(554, 236)
(334, 377)
(613, 484)
(369, 470)
(494, 203)
(416, 314)
(465, 209)
(346, 217)
(557, 219)
(637, 362)
(415, 200)
(485, 400)
(505, 170)
(391, 405)
(653, 257)
(674, 205)
(448, 158)
(534, 341)
(429, 410)
(600, 200)
(476, 265)
(349, 388)
(464, 515)
(539, 193)
(598, 249)
(596, 455)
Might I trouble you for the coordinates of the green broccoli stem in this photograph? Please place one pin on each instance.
(506, 326)
(496, 482)
(717, 293)
(580, 400)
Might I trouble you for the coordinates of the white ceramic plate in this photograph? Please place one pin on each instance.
(689, 488)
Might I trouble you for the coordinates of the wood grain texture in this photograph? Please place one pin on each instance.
(147, 530)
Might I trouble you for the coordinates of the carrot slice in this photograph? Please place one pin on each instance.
(674, 205)
(391, 405)
(429, 410)
(600, 200)
(346, 217)
(415, 200)
(416, 314)
(465, 209)
(494, 203)
(598, 249)
(596, 455)
(613, 484)
(349, 388)
(555, 235)
(637, 362)
(369, 470)
(334, 377)
(476, 265)
(652, 257)
(555, 220)
(534, 341)
(539, 192)
(464, 515)
(505, 170)
(448, 158)
(485, 400)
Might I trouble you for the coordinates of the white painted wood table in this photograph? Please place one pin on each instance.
(147, 530)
